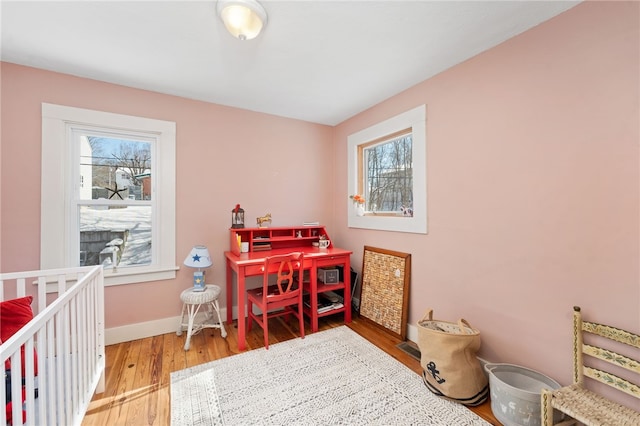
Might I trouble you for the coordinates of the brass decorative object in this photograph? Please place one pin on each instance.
(264, 221)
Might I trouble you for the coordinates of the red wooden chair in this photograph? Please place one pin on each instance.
(285, 295)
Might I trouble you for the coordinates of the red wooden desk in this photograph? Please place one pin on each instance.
(250, 264)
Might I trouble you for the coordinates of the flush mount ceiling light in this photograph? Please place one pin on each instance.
(244, 19)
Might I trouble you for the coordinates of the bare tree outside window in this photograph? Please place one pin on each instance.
(135, 158)
(388, 176)
(119, 165)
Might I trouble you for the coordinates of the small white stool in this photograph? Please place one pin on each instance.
(191, 302)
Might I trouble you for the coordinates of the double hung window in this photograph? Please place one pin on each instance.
(108, 193)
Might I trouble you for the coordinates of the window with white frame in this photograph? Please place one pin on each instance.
(387, 174)
(108, 193)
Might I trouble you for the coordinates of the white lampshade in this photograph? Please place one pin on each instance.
(244, 19)
(198, 258)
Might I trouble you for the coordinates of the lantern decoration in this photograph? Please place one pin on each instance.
(237, 217)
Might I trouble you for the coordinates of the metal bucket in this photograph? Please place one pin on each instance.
(515, 394)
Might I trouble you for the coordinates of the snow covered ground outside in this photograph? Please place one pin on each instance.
(136, 219)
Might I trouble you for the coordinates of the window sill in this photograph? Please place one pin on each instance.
(118, 278)
(140, 275)
(416, 224)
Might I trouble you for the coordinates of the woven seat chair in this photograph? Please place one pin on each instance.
(582, 404)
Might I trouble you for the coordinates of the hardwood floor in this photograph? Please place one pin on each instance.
(137, 372)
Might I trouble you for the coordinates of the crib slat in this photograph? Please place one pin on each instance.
(85, 353)
(61, 366)
(42, 293)
(30, 384)
(62, 284)
(43, 383)
(76, 368)
(51, 374)
(16, 385)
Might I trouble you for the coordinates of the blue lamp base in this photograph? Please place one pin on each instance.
(198, 281)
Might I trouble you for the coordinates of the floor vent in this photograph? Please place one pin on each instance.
(410, 348)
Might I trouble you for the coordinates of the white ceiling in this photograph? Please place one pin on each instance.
(319, 61)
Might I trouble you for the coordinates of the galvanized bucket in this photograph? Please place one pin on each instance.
(515, 394)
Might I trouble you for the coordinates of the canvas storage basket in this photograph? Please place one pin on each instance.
(448, 359)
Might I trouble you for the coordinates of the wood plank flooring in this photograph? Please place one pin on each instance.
(137, 372)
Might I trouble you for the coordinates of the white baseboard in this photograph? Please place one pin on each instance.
(412, 333)
(143, 330)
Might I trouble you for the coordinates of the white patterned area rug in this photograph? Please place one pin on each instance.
(331, 377)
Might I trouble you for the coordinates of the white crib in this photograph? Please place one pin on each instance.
(67, 333)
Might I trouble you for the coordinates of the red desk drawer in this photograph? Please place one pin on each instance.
(253, 270)
(330, 261)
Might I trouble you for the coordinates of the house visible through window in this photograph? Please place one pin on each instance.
(108, 193)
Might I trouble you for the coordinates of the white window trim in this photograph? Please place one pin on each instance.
(56, 189)
(416, 120)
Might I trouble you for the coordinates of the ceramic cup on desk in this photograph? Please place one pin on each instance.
(244, 247)
(323, 244)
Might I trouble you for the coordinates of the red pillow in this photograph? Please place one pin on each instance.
(15, 314)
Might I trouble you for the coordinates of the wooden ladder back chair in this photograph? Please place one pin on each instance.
(285, 296)
(584, 405)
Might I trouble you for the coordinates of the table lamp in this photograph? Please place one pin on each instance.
(198, 258)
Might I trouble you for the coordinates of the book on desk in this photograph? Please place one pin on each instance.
(261, 246)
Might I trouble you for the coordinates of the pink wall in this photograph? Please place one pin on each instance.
(533, 183)
(265, 163)
(533, 187)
